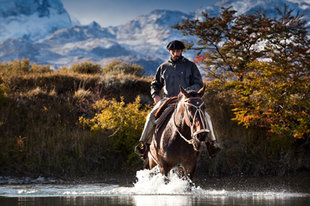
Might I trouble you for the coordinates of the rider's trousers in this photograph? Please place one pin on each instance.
(149, 126)
(210, 127)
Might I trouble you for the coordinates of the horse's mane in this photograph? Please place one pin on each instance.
(191, 93)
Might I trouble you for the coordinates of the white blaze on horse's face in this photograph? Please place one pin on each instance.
(195, 114)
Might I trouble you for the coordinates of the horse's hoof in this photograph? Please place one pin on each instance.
(166, 180)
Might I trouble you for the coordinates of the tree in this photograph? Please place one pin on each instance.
(228, 42)
(264, 61)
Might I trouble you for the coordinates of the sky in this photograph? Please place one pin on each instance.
(117, 12)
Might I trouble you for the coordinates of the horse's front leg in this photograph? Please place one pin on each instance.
(163, 171)
(151, 162)
(165, 167)
(190, 171)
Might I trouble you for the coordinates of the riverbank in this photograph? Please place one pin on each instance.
(41, 133)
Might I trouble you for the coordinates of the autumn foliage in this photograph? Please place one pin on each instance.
(123, 122)
(263, 61)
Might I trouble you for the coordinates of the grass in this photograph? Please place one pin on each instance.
(39, 131)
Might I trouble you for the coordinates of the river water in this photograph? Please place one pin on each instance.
(149, 189)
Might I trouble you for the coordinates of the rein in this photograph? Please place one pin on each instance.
(198, 113)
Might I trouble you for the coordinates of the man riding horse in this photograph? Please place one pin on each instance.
(177, 71)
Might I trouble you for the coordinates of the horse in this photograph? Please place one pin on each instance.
(180, 139)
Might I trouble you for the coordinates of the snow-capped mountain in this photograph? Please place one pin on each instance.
(31, 19)
(249, 6)
(142, 40)
(148, 32)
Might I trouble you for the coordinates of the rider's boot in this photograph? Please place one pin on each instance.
(142, 149)
(213, 148)
(144, 143)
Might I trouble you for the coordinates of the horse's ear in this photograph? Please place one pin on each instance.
(183, 91)
(202, 91)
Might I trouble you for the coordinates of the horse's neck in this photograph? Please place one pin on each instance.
(178, 120)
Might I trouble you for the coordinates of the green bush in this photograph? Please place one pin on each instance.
(118, 67)
(40, 68)
(23, 66)
(17, 66)
(86, 68)
(124, 124)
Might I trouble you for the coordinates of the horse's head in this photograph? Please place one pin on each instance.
(194, 113)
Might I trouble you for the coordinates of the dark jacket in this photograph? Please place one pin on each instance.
(170, 75)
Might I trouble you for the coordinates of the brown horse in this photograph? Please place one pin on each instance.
(180, 139)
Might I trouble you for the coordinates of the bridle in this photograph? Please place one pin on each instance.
(199, 113)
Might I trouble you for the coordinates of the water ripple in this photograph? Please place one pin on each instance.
(148, 184)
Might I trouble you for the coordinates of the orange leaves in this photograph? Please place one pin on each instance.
(199, 58)
(20, 142)
(264, 98)
(299, 135)
(263, 62)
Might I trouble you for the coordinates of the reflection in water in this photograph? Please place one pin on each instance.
(160, 200)
(149, 200)
(173, 200)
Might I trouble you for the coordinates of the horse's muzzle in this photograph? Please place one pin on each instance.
(202, 135)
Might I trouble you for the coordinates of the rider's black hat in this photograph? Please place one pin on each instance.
(175, 44)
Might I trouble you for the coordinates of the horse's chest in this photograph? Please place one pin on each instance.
(180, 153)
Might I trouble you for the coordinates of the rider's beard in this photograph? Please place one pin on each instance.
(176, 58)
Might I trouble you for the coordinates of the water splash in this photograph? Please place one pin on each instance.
(153, 182)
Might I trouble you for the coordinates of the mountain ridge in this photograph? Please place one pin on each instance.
(17, 19)
(142, 39)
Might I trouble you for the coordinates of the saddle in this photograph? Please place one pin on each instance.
(167, 102)
(164, 110)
